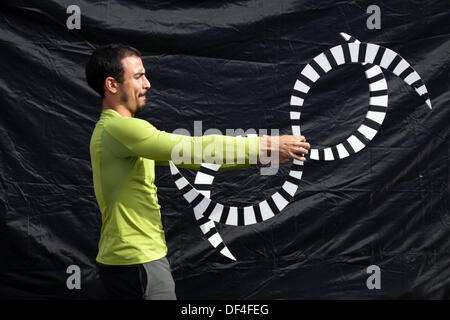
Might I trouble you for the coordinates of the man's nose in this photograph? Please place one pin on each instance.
(147, 84)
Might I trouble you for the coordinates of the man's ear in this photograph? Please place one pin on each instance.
(111, 85)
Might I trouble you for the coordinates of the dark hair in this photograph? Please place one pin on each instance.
(106, 61)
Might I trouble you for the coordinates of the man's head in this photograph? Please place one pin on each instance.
(117, 74)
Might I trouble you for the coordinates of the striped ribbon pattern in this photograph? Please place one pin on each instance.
(371, 57)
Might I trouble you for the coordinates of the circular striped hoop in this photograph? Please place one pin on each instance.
(207, 211)
(239, 216)
(371, 56)
(206, 174)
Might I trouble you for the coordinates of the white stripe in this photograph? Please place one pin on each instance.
(345, 36)
(322, 60)
(371, 52)
(206, 193)
(266, 212)
(232, 217)
(372, 72)
(355, 143)
(173, 168)
(342, 151)
(296, 174)
(328, 154)
(388, 56)
(310, 73)
(412, 77)
(202, 206)
(280, 202)
(354, 50)
(294, 115)
(296, 101)
(421, 90)
(204, 178)
(215, 240)
(338, 54)
(290, 188)
(249, 216)
(207, 226)
(197, 215)
(314, 154)
(296, 131)
(181, 183)
(379, 101)
(300, 163)
(216, 214)
(402, 65)
(376, 116)
(190, 196)
(378, 85)
(211, 166)
(226, 252)
(368, 132)
(300, 86)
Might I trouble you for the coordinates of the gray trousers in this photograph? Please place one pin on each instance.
(160, 284)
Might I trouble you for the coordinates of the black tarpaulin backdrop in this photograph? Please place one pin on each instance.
(231, 65)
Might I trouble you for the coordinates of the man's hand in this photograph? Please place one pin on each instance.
(281, 149)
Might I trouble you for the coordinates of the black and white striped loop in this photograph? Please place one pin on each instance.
(238, 216)
(372, 57)
(203, 182)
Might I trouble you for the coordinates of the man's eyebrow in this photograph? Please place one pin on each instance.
(140, 74)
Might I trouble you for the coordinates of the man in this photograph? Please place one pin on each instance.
(132, 248)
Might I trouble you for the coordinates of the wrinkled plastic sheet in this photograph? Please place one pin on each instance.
(231, 65)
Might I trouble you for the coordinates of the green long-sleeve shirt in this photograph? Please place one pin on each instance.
(123, 155)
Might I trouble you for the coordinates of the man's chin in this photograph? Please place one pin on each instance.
(140, 108)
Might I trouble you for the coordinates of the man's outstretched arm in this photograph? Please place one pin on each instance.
(140, 138)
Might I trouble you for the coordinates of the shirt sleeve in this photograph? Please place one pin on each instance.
(139, 138)
(196, 166)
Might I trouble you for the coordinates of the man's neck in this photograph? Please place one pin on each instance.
(119, 108)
